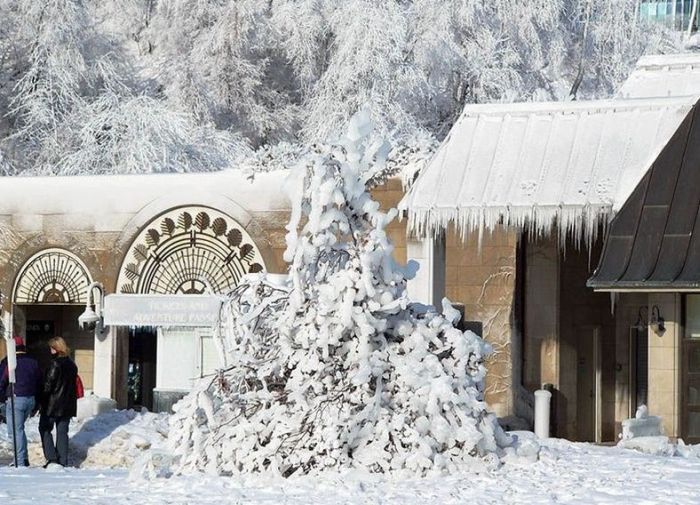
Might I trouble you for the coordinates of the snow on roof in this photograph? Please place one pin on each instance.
(531, 164)
(663, 75)
(127, 194)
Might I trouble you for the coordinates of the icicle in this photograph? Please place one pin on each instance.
(613, 301)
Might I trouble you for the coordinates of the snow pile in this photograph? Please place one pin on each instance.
(93, 405)
(116, 439)
(644, 433)
(657, 445)
(566, 473)
(687, 451)
(336, 368)
(112, 439)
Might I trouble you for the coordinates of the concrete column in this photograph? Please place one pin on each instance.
(104, 362)
(428, 286)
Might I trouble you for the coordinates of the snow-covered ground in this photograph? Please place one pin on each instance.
(111, 440)
(567, 473)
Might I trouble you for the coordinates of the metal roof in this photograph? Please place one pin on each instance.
(533, 164)
(654, 241)
(663, 75)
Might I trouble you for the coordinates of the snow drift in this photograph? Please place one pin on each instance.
(333, 366)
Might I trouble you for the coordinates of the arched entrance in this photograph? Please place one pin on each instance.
(186, 250)
(189, 250)
(48, 295)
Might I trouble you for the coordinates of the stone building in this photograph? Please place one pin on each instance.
(518, 201)
(136, 234)
(509, 220)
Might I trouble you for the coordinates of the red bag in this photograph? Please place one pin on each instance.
(79, 389)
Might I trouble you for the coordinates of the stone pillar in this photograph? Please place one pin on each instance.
(104, 362)
(664, 362)
(428, 286)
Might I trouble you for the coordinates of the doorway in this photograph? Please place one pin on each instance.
(141, 378)
(588, 384)
(690, 393)
(38, 323)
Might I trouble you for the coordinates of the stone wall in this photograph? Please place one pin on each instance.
(481, 275)
(585, 314)
(562, 320)
(389, 195)
(627, 315)
(541, 325)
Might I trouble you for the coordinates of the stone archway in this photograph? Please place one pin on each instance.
(186, 250)
(49, 294)
(52, 276)
(189, 250)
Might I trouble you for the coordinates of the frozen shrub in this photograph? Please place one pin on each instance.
(334, 366)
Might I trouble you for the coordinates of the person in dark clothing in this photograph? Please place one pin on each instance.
(27, 386)
(58, 402)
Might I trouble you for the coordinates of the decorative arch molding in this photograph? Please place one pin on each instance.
(188, 250)
(52, 276)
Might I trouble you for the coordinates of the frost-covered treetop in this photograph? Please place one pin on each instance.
(88, 87)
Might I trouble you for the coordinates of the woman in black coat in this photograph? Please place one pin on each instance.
(58, 402)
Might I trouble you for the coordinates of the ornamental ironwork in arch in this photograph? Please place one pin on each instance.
(52, 276)
(189, 250)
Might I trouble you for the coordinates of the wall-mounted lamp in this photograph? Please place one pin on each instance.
(92, 318)
(657, 322)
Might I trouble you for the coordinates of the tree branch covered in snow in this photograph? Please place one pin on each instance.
(335, 367)
(289, 73)
(78, 107)
(135, 134)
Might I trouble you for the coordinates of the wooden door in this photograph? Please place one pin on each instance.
(690, 370)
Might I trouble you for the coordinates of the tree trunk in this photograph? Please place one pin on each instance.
(584, 45)
(693, 15)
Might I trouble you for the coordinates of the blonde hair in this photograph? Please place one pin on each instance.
(59, 345)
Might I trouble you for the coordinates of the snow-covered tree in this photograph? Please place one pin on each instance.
(63, 57)
(616, 39)
(297, 70)
(275, 74)
(220, 63)
(78, 106)
(335, 367)
(129, 134)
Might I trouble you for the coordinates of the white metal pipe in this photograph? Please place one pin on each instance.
(542, 401)
(11, 359)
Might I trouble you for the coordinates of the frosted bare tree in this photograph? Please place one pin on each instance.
(222, 62)
(77, 106)
(275, 74)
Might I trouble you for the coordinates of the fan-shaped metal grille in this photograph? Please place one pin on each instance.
(52, 276)
(189, 250)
